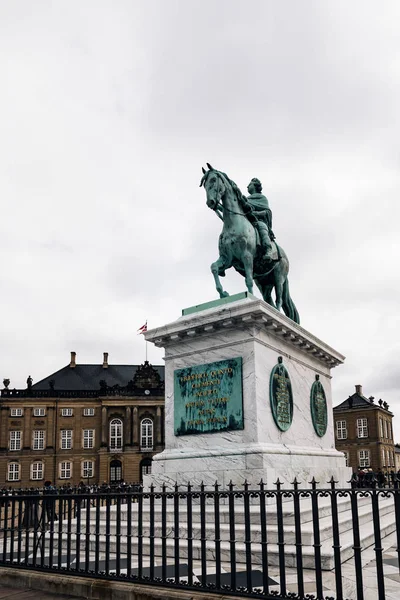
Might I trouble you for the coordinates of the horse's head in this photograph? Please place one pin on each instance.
(214, 184)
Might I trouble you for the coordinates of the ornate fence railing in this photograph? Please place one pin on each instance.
(256, 542)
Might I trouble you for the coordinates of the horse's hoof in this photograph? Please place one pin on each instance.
(224, 294)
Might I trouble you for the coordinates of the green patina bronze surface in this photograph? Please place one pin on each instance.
(281, 396)
(208, 398)
(247, 242)
(214, 303)
(319, 410)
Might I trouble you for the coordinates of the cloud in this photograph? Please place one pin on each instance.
(107, 113)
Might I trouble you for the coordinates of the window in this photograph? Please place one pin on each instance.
(381, 426)
(383, 457)
(385, 428)
(13, 472)
(389, 430)
(66, 439)
(341, 430)
(393, 461)
(346, 457)
(87, 469)
(17, 412)
(362, 428)
(88, 412)
(364, 458)
(65, 469)
(146, 434)
(145, 467)
(39, 412)
(115, 470)
(66, 412)
(37, 471)
(88, 438)
(388, 458)
(116, 434)
(38, 440)
(15, 440)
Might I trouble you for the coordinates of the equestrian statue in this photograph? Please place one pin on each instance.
(247, 241)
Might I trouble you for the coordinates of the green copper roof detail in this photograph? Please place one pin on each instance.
(216, 303)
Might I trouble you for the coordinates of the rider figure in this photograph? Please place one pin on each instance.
(259, 213)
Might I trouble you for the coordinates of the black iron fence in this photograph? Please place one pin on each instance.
(256, 542)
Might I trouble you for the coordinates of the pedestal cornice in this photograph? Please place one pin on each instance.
(244, 313)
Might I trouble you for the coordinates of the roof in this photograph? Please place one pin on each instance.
(88, 377)
(358, 401)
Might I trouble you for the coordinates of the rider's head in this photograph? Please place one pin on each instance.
(254, 186)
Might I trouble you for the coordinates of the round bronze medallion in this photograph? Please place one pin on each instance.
(319, 411)
(281, 397)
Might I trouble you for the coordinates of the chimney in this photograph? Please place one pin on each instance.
(72, 364)
(359, 390)
(105, 360)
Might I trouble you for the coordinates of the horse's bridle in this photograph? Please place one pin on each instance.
(220, 205)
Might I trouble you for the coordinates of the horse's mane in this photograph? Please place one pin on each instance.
(234, 187)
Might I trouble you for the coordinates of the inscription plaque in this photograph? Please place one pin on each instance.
(208, 398)
(281, 396)
(319, 411)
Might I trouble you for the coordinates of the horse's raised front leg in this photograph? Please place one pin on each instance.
(216, 267)
(247, 259)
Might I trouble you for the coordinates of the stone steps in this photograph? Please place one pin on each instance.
(346, 540)
(325, 525)
(386, 507)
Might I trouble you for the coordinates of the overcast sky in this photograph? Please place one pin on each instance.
(109, 109)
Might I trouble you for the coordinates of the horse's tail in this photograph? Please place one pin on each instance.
(289, 307)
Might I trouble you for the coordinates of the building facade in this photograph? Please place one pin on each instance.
(364, 432)
(91, 423)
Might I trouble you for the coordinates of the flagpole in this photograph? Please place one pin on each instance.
(143, 330)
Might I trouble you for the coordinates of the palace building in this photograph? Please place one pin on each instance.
(364, 432)
(87, 422)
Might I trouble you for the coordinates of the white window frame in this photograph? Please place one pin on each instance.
(37, 470)
(87, 469)
(383, 457)
(66, 436)
(15, 440)
(363, 458)
(341, 431)
(67, 412)
(381, 426)
(17, 412)
(65, 467)
(146, 434)
(390, 430)
(88, 412)
(88, 438)
(39, 412)
(116, 434)
(385, 429)
(13, 474)
(362, 427)
(346, 457)
(145, 469)
(388, 458)
(38, 439)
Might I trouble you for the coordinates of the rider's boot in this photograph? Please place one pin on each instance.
(266, 244)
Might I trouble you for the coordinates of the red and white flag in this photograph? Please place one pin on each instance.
(142, 329)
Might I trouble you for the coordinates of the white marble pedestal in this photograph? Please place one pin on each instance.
(249, 328)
